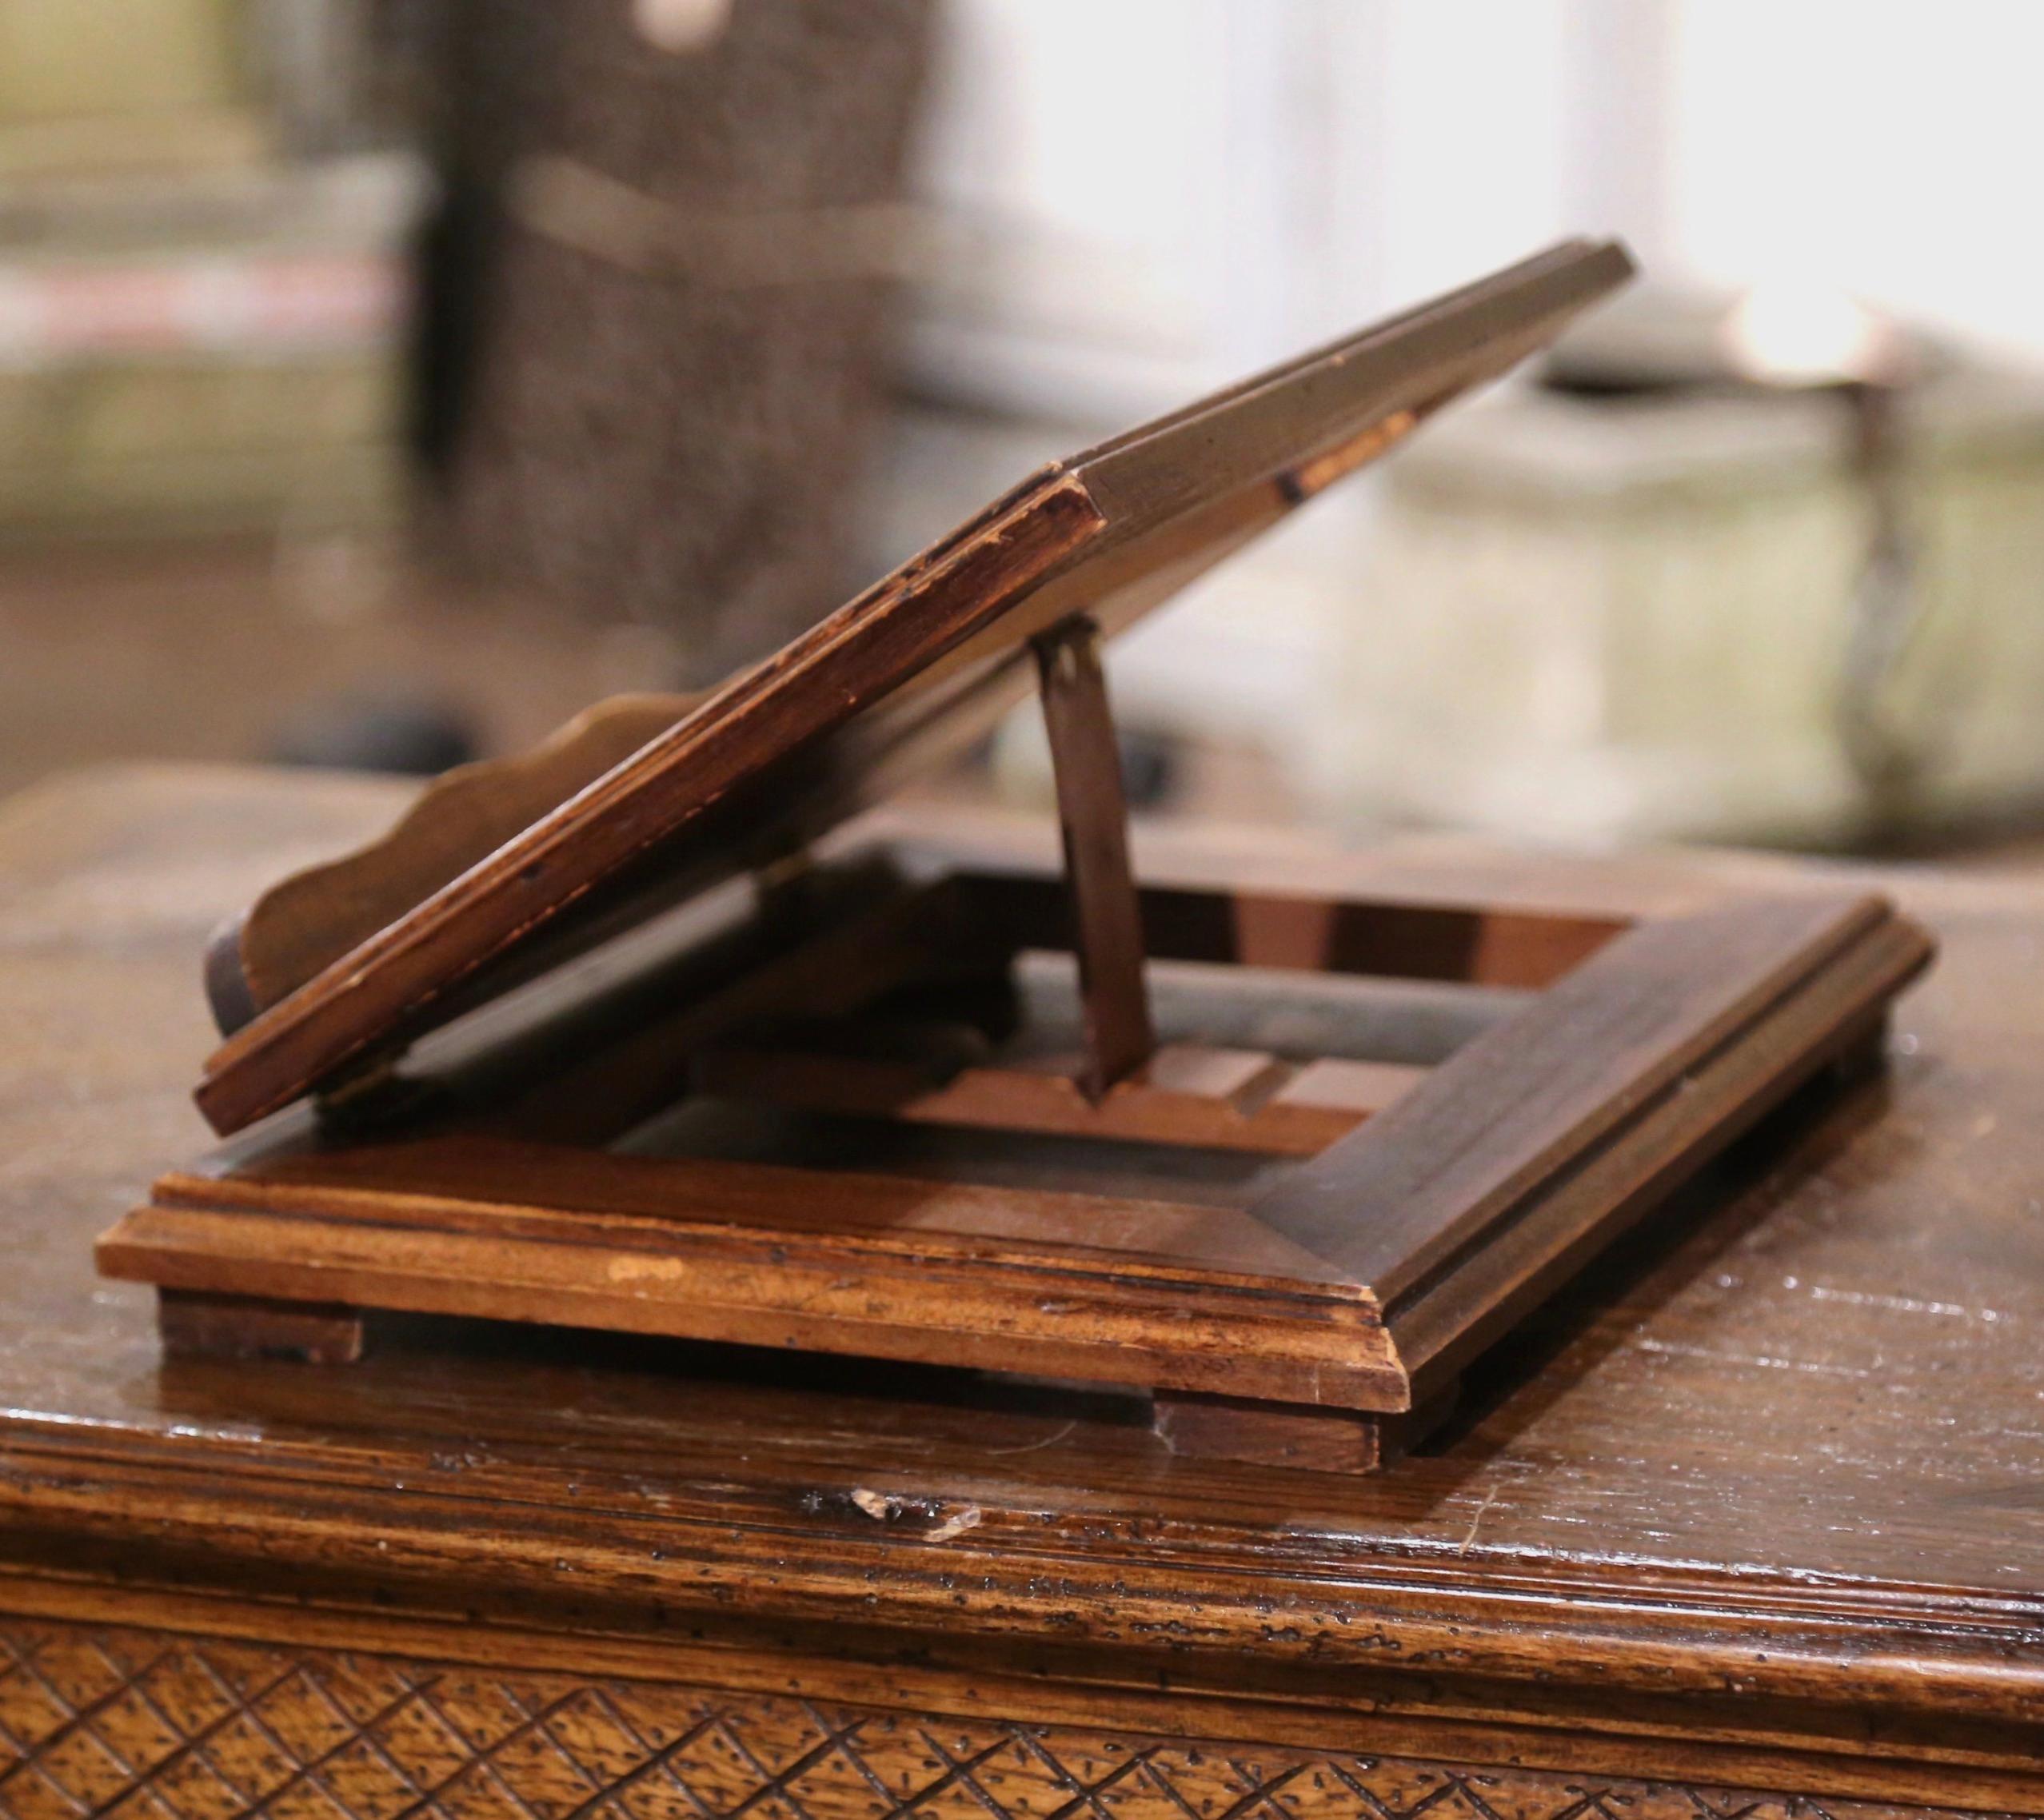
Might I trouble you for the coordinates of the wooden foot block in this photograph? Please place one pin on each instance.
(1272, 1433)
(197, 1326)
(1864, 1052)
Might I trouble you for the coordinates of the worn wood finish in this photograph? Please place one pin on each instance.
(858, 652)
(201, 1725)
(908, 669)
(1753, 1510)
(1070, 1285)
(305, 923)
(1529, 1098)
(205, 1326)
(1301, 1436)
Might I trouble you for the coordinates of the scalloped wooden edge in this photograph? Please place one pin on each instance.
(305, 923)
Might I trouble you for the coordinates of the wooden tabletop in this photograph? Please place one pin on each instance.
(1775, 1475)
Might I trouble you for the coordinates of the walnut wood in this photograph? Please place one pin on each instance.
(203, 1326)
(869, 937)
(592, 1072)
(1107, 922)
(1528, 1098)
(306, 922)
(857, 934)
(1265, 1434)
(111, 1717)
(1410, 1023)
(952, 1273)
(904, 672)
(1469, 938)
(1531, 1147)
(1742, 1523)
(1209, 1098)
(1838, 1017)
(1200, 1425)
(861, 652)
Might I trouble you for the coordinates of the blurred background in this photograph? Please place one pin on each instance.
(380, 380)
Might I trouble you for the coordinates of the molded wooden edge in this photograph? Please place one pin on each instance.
(1519, 1648)
(915, 1299)
(481, 1184)
(713, 1282)
(1287, 416)
(1092, 1693)
(1442, 1166)
(1446, 1320)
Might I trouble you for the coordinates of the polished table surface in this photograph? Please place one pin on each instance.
(1760, 1508)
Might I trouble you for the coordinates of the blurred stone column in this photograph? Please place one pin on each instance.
(661, 293)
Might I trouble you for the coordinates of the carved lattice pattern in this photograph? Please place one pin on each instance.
(142, 1724)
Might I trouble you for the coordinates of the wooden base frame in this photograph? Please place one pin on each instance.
(879, 1139)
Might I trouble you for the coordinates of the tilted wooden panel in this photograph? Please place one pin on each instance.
(915, 663)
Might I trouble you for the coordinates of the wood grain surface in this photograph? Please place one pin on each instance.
(1759, 1508)
(1395, 1201)
(305, 922)
(1359, 1281)
(1065, 1285)
(97, 1719)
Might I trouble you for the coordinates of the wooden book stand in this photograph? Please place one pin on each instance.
(643, 1033)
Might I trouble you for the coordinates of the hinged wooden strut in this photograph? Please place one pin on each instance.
(1092, 811)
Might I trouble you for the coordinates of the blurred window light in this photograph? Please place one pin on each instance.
(1885, 147)
(680, 26)
(1788, 332)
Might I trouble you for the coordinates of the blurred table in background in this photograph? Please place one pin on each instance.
(1597, 619)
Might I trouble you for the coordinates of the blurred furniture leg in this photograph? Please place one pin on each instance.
(661, 301)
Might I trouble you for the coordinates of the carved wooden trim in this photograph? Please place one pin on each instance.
(100, 1719)
(305, 923)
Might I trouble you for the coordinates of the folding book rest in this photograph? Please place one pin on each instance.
(643, 1033)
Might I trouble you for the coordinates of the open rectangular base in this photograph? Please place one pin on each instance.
(851, 1113)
